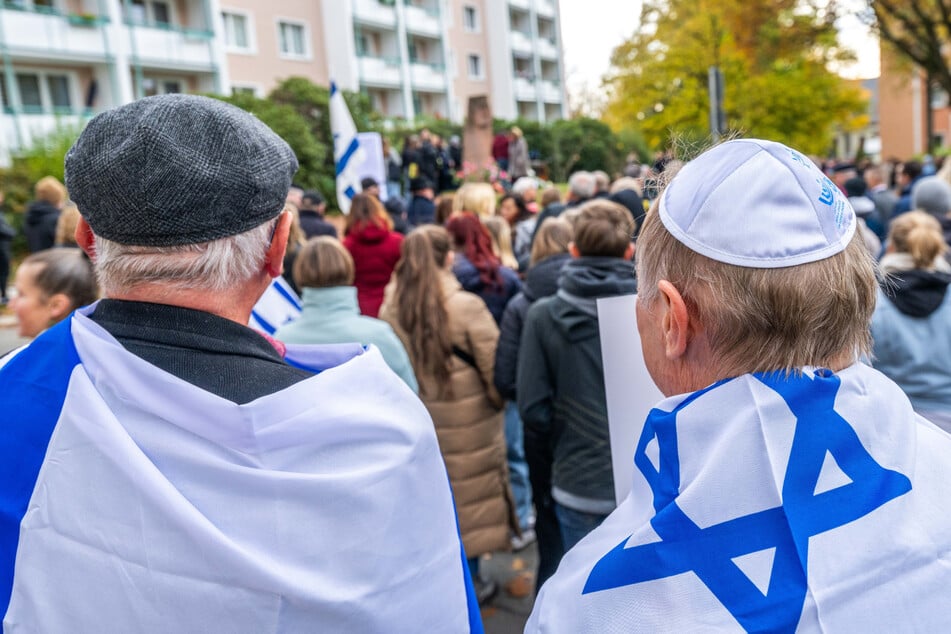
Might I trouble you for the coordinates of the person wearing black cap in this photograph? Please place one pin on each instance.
(166, 468)
(370, 186)
(311, 213)
(421, 209)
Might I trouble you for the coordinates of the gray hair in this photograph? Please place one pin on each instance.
(581, 184)
(217, 265)
(524, 184)
(601, 180)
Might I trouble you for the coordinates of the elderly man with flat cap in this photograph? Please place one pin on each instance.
(783, 485)
(166, 468)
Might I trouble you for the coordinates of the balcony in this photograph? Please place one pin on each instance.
(380, 71)
(521, 42)
(551, 91)
(522, 5)
(545, 8)
(46, 33)
(428, 77)
(423, 21)
(36, 124)
(170, 46)
(376, 12)
(524, 89)
(546, 48)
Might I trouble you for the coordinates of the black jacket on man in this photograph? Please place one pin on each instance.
(313, 224)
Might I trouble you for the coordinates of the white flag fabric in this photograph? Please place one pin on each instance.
(817, 502)
(131, 501)
(348, 155)
(278, 305)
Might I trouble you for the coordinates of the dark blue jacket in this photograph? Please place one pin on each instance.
(495, 298)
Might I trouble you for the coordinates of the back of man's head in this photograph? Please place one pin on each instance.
(911, 170)
(179, 190)
(603, 229)
(933, 195)
(311, 199)
(767, 254)
(581, 185)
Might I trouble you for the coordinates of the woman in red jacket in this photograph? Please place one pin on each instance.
(375, 247)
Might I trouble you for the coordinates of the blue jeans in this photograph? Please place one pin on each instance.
(518, 468)
(576, 524)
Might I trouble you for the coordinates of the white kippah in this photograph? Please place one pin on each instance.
(757, 204)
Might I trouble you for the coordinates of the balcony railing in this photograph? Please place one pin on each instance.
(191, 33)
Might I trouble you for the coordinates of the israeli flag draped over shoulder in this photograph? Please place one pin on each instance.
(814, 502)
(132, 501)
(278, 305)
(348, 155)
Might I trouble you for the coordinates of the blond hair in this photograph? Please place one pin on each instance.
(553, 238)
(322, 262)
(918, 234)
(66, 226)
(761, 320)
(550, 195)
(50, 190)
(501, 240)
(478, 198)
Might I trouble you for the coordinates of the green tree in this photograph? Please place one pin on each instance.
(774, 55)
(919, 30)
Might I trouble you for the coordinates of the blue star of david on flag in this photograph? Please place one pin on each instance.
(711, 552)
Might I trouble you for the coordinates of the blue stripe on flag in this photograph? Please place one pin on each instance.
(472, 602)
(350, 192)
(32, 392)
(351, 149)
(265, 325)
(333, 88)
(286, 293)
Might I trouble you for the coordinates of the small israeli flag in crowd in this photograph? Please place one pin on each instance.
(347, 153)
(278, 305)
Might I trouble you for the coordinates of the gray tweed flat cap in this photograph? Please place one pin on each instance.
(177, 169)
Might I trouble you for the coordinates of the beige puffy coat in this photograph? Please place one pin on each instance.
(469, 424)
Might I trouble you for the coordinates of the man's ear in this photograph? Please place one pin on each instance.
(629, 252)
(676, 322)
(274, 260)
(85, 238)
(573, 250)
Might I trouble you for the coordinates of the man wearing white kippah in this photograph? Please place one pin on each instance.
(783, 485)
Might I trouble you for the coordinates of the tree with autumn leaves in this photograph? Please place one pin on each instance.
(775, 56)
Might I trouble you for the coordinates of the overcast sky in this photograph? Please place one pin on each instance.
(592, 28)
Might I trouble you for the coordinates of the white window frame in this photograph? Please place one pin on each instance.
(250, 32)
(308, 53)
(248, 85)
(173, 18)
(476, 26)
(161, 79)
(77, 103)
(478, 62)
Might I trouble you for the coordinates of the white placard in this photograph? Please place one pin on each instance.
(628, 387)
(374, 165)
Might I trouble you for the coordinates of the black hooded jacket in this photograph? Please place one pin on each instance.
(916, 293)
(540, 281)
(561, 380)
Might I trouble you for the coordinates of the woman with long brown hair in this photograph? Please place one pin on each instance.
(375, 247)
(451, 338)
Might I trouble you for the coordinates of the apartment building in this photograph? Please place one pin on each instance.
(903, 110)
(65, 60)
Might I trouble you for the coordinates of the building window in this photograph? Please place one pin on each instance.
(152, 86)
(237, 35)
(244, 89)
(292, 39)
(155, 12)
(475, 67)
(470, 19)
(41, 92)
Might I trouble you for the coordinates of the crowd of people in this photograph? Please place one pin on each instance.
(442, 395)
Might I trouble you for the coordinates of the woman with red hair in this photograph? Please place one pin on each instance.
(477, 267)
(375, 247)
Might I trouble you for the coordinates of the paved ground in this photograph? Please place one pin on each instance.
(515, 574)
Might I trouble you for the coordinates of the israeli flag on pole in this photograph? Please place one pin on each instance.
(348, 155)
(812, 502)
